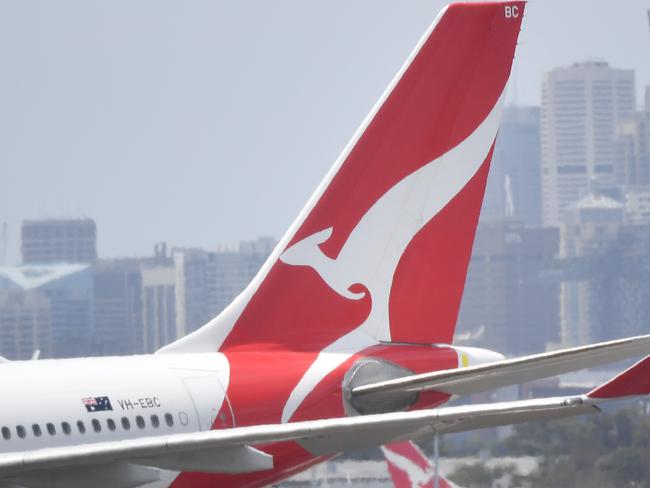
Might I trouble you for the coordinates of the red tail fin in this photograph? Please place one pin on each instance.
(634, 381)
(409, 467)
(382, 247)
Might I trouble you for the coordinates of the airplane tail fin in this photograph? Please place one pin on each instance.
(382, 247)
(409, 467)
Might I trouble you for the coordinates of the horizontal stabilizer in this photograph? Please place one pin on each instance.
(465, 381)
(634, 381)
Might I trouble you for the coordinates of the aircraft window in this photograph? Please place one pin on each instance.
(20, 430)
(65, 427)
(36, 429)
(139, 421)
(97, 427)
(50, 428)
(81, 427)
(6, 433)
(169, 419)
(111, 424)
(182, 416)
(125, 423)
(155, 421)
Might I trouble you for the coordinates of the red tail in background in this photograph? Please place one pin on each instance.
(409, 467)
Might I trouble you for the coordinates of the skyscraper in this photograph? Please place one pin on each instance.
(207, 281)
(59, 241)
(581, 106)
(510, 302)
(25, 324)
(514, 184)
(117, 307)
(633, 163)
(589, 229)
(158, 306)
(159, 301)
(633, 150)
(47, 307)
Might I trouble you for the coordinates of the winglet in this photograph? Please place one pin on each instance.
(634, 381)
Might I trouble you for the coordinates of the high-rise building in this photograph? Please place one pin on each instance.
(158, 307)
(581, 107)
(191, 269)
(633, 150)
(207, 281)
(633, 164)
(606, 291)
(637, 205)
(510, 302)
(53, 303)
(59, 241)
(621, 286)
(231, 270)
(24, 324)
(589, 229)
(514, 184)
(159, 301)
(590, 225)
(117, 307)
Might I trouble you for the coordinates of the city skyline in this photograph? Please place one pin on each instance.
(65, 302)
(165, 133)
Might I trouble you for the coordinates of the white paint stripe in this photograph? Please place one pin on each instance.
(375, 246)
(417, 476)
(409, 204)
(327, 361)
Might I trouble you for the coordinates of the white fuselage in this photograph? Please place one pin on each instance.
(52, 403)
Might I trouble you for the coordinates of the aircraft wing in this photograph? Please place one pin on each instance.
(474, 379)
(241, 449)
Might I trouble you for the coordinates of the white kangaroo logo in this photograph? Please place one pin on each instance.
(418, 477)
(374, 247)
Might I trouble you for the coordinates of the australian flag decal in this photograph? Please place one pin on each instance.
(97, 404)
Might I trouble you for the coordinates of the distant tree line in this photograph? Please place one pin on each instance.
(604, 451)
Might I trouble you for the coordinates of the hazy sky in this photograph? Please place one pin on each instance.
(200, 122)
